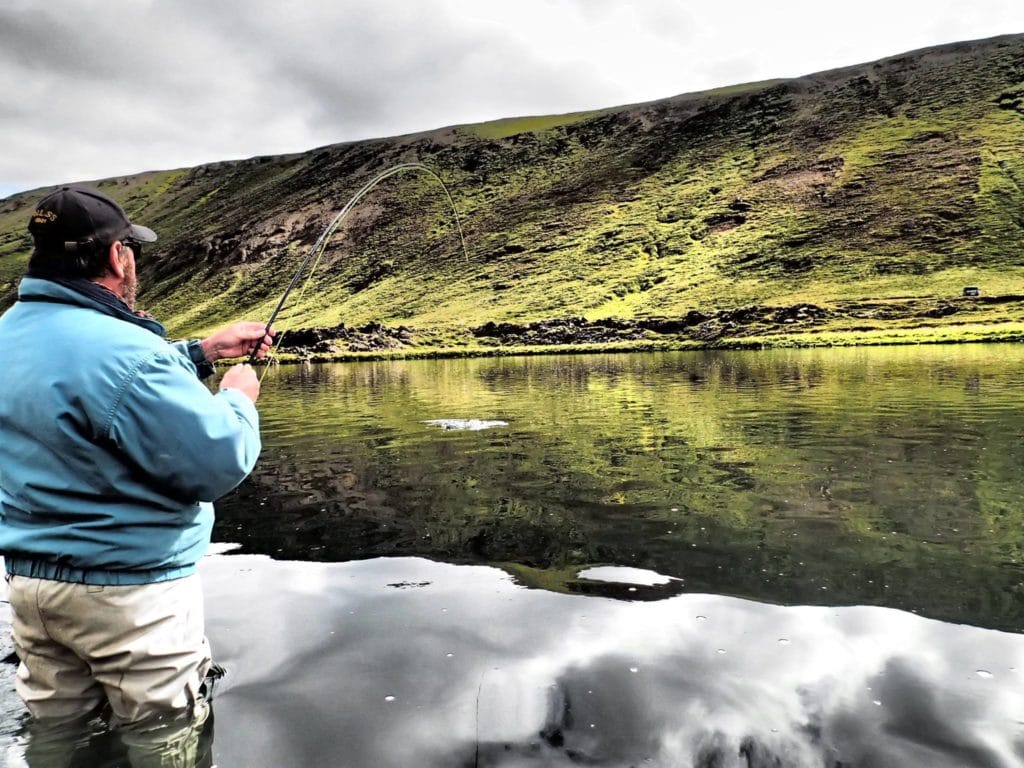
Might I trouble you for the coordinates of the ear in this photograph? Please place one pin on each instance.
(114, 263)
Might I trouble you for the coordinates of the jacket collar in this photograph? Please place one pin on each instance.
(86, 294)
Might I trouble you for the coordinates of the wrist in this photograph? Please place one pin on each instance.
(208, 351)
(197, 354)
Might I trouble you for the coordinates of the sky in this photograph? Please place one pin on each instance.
(99, 88)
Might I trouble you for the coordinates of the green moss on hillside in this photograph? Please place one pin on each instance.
(510, 126)
(891, 182)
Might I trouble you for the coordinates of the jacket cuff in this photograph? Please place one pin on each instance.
(204, 368)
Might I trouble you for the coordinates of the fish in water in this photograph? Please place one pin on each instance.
(471, 425)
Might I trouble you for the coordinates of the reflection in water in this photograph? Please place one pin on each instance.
(867, 476)
(404, 661)
(89, 743)
(626, 500)
(329, 665)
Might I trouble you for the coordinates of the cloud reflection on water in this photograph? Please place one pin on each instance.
(485, 672)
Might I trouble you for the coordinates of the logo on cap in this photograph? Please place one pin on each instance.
(43, 217)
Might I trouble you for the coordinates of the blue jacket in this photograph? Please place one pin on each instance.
(111, 448)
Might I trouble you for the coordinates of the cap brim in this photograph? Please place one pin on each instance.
(143, 234)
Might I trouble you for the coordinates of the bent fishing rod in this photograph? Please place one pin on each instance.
(320, 246)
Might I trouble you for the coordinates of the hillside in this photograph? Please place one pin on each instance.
(848, 206)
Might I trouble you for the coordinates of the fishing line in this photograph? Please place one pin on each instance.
(320, 246)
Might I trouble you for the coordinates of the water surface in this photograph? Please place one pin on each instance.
(719, 560)
(887, 476)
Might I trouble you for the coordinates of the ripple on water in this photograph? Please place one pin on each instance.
(466, 425)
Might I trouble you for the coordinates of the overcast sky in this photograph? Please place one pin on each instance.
(96, 88)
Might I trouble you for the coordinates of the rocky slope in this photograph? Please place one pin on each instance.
(854, 204)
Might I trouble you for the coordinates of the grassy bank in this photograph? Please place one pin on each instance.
(873, 193)
(947, 334)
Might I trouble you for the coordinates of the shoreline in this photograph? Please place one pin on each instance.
(983, 333)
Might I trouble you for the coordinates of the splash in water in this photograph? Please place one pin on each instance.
(470, 425)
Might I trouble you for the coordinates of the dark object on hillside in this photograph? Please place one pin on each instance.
(944, 309)
(367, 338)
(570, 330)
(694, 324)
(972, 290)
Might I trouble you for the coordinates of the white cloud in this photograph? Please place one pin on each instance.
(95, 89)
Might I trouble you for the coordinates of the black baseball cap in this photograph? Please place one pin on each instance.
(79, 217)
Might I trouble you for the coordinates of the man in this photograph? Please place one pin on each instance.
(111, 450)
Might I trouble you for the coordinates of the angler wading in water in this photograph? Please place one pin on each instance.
(111, 452)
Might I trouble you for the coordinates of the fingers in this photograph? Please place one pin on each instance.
(242, 377)
(238, 339)
(264, 347)
(262, 342)
(252, 330)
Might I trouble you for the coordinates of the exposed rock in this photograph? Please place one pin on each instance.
(943, 310)
(722, 222)
(371, 337)
(711, 330)
(694, 325)
(799, 313)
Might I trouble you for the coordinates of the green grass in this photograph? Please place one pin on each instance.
(511, 126)
(865, 185)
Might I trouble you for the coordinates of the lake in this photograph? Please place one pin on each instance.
(751, 559)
